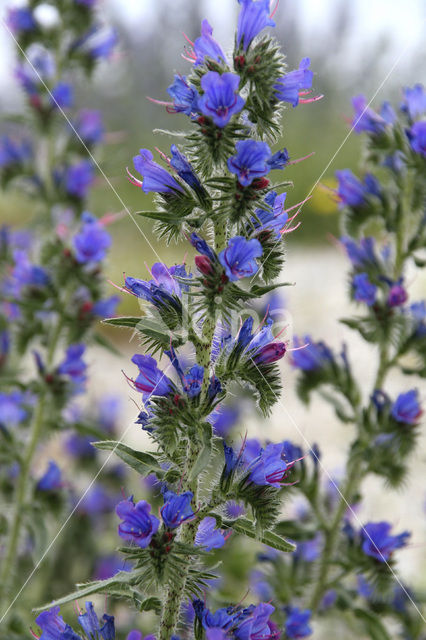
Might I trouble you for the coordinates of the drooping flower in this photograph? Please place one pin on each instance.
(155, 177)
(177, 508)
(78, 178)
(417, 137)
(414, 101)
(89, 126)
(206, 46)
(73, 365)
(220, 100)
(279, 159)
(51, 480)
(208, 536)
(253, 18)
(185, 96)
(151, 381)
(250, 161)
(287, 88)
(297, 623)
(313, 356)
(138, 524)
(407, 408)
(353, 192)
(364, 290)
(182, 166)
(239, 257)
(366, 119)
(53, 626)
(92, 241)
(378, 543)
(268, 468)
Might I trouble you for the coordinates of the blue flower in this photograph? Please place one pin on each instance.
(91, 626)
(155, 178)
(418, 313)
(239, 257)
(313, 357)
(253, 18)
(92, 241)
(206, 46)
(89, 126)
(220, 100)
(309, 550)
(279, 159)
(79, 446)
(220, 619)
(270, 353)
(26, 274)
(73, 365)
(359, 254)
(180, 163)
(202, 247)
(291, 451)
(151, 381)
(20, 19)
(297, 623)
(366, 119)
(177, 508)
(53, 626)
(208, 536)
(417, 137)
(364, 290)
(397, 295)
(256, 624)
(102, 43)
(287, 88)
(378, 543)
(52, 478)
(414, 101)
(138, 525)
(407, 408)
(184, 95)
(268, 468)
(223, 418)
(106, 308)
(193, 380)
(14, 152)
(78, 178)
(11, 409)
(251, 161)
(62, 96)
(274, 218)
(353, 192)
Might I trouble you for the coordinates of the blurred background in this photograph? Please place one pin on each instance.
(355, 47)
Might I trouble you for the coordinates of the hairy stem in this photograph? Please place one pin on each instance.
(219, 235)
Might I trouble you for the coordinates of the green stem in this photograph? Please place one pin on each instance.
(219, 235)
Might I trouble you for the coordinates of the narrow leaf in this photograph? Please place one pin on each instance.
(142, 462)
(245, 527)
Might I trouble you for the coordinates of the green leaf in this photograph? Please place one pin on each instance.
(152, 603)
(245, 527)
(129, 321)
(374, 627)
(204, 454)
(142, 462)
(119, 581)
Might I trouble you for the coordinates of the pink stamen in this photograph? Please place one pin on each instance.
(282, 331)
(122, 289)
(33, 634)
(187, 39)
(308, 100)
(123, 493)
(110, 218)
(150, 272)
(275, 9)
(301, 159)
(298, 348)
(163, 103)
(284, 231)
(132, 179)
(163, 155)
(263, 320)
(298, 204)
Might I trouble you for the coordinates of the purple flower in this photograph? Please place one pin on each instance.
(62, 96)
(14, 152)
(11, 409)
(291, 451)
(397, 295)
(270, 353)
(206, 46)
(138, 525)
(208, 536)
(239, 258)
(220, 100)
(364, 290)
(73, 364)
(378, 543)
(353, 192)
(184, 95)
(202, 247)
(53, 626)
(108, 566)
(368, 120)
(91, 626)
(151, 381)
(253, 18)
(312, 357)
(251, 161)
(268, 468)
(407, 408)
(287, 88)
(137, 635)
(92, 241)
(161, 288)
(309, 550)
(79, 446)
(96, 502)
(89, 126)
(279, 159)
(359, 254)
(26, 274)
(177, 508)
(257, 624)
(276, 217)
(20, 19)
(417, 137)
(97, 42)
(78, 178)
(223, 418)
(180, 164)
(52, 478)
(234, 510)
(297, 623)
(106, 308)
(414, 101)
(155, 178)
(418, 313)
